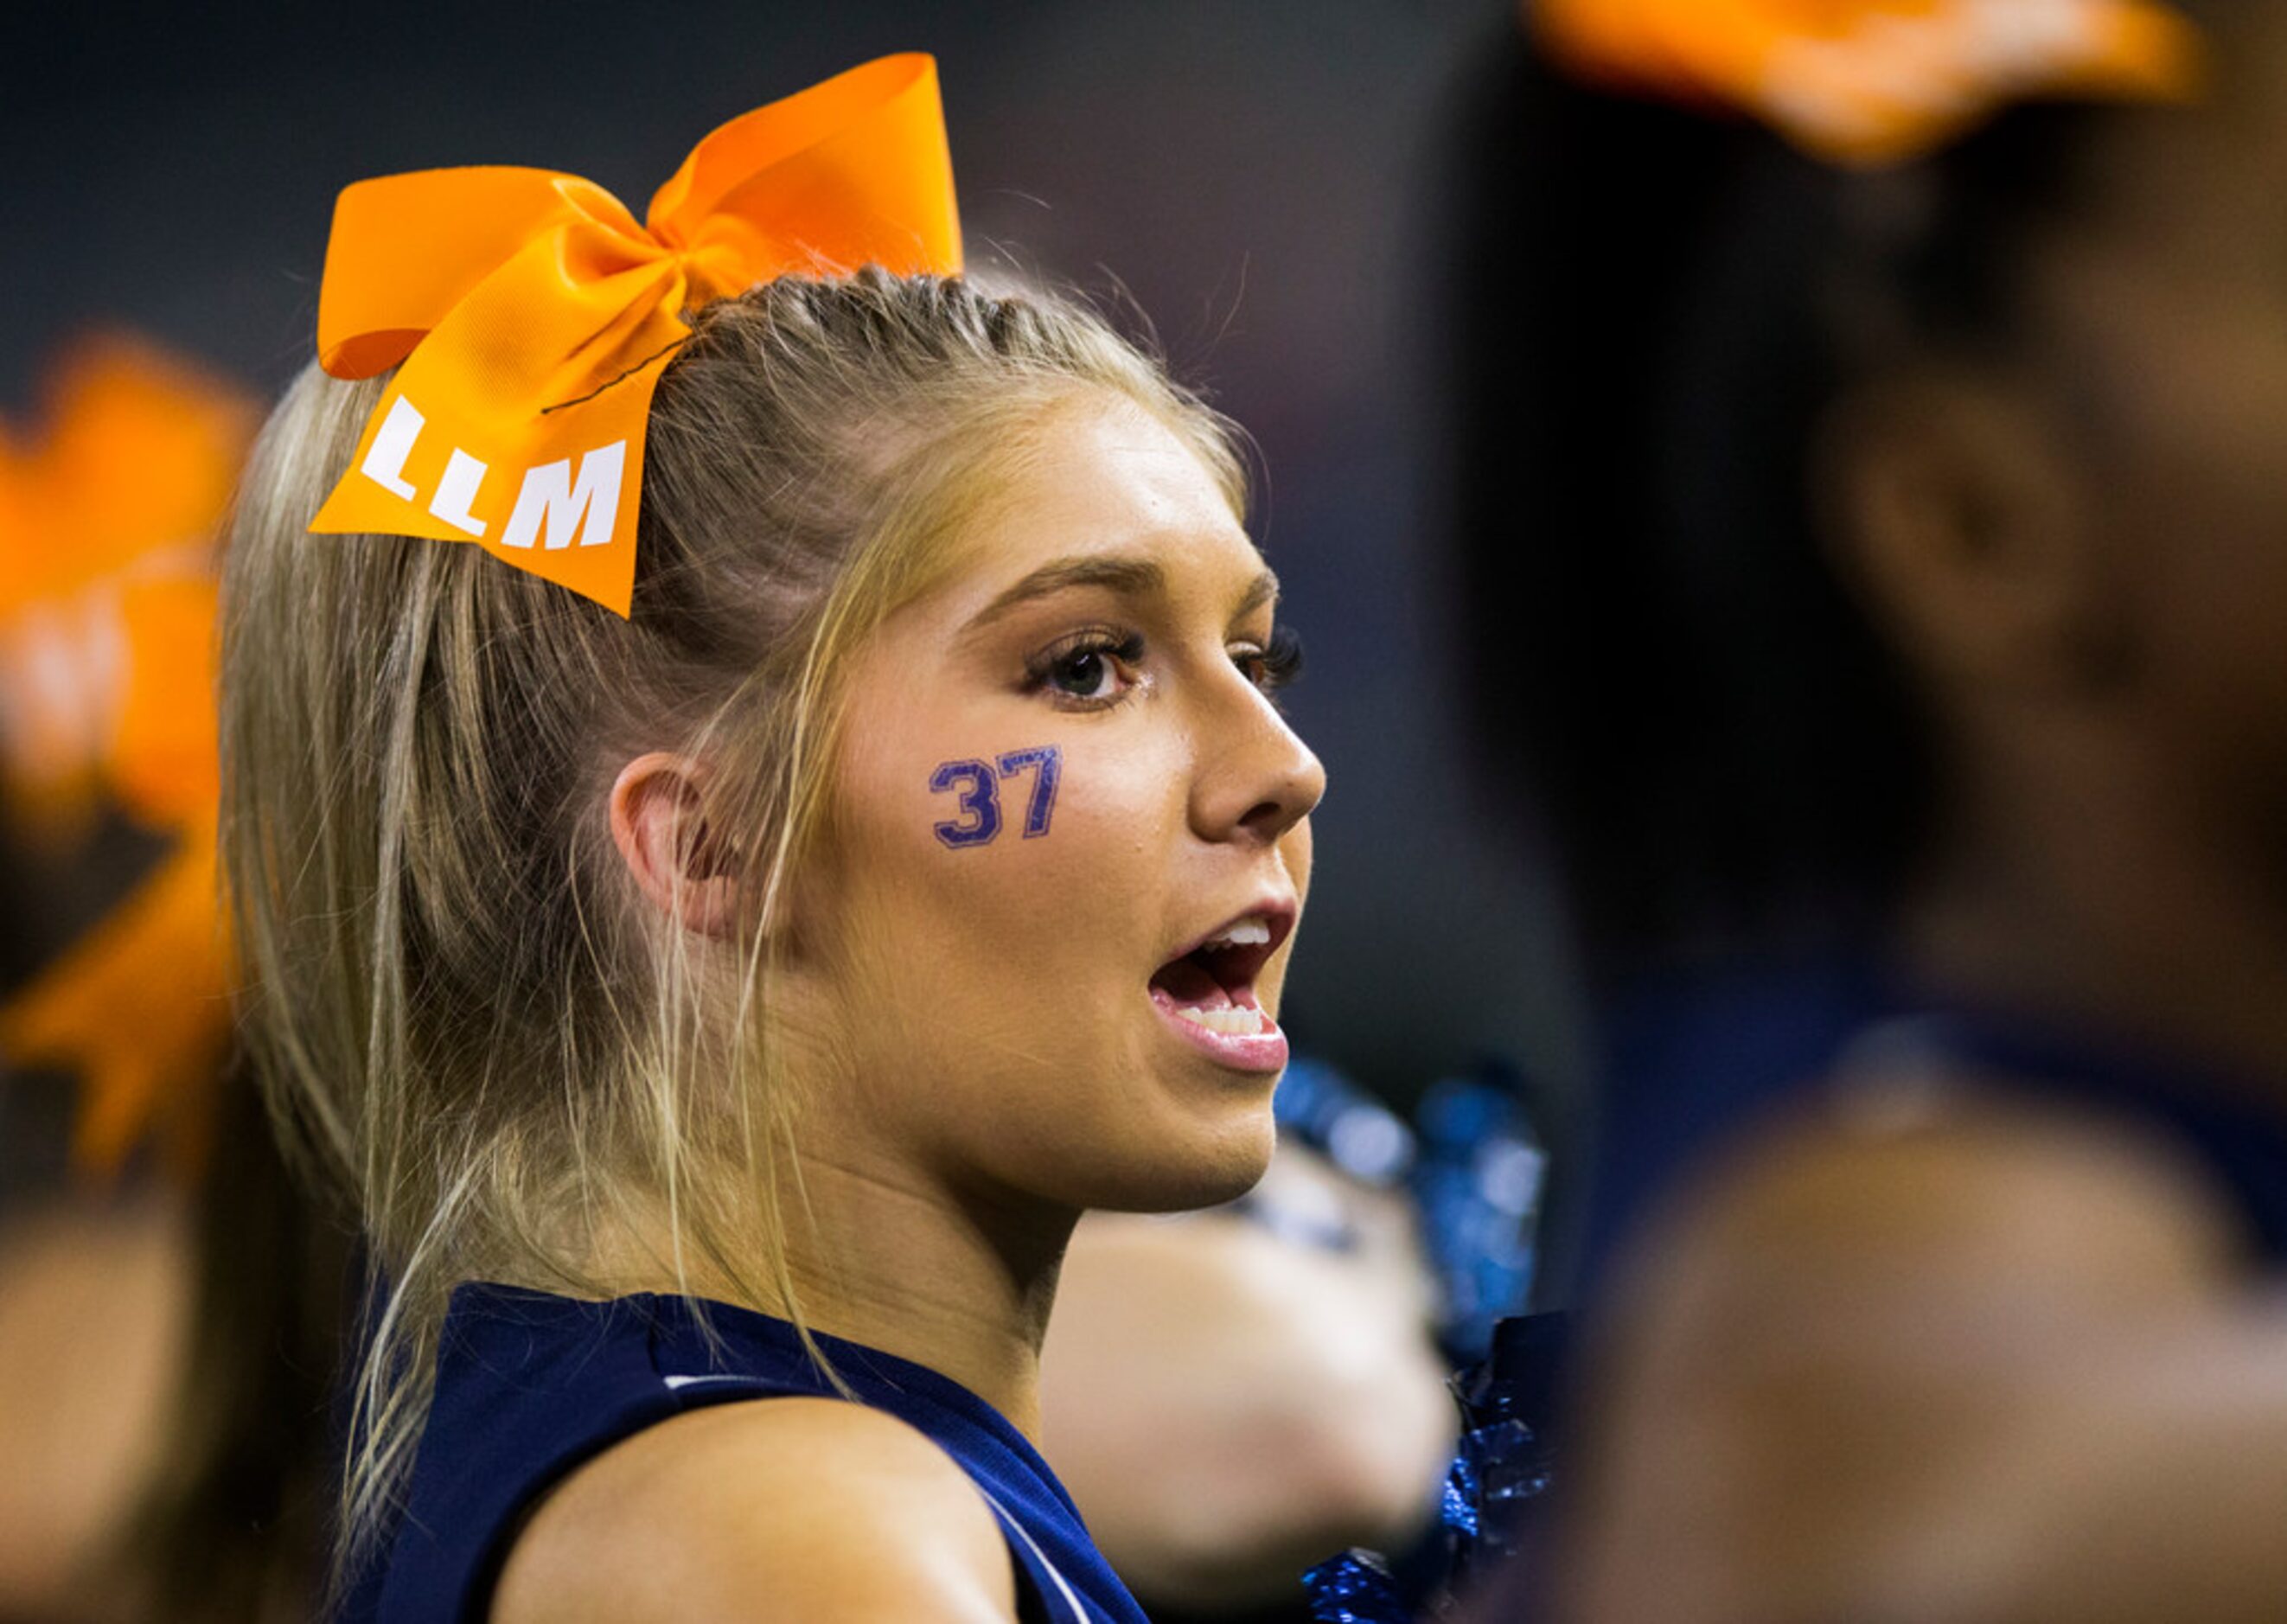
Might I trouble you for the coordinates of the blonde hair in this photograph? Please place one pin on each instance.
(460, 1010)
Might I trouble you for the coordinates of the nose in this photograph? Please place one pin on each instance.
(1255, 779)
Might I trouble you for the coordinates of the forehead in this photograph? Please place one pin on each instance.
(1100, 479)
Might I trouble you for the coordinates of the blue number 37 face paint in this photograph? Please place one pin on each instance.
(978, 785)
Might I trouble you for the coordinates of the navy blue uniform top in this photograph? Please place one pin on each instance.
(530, 1384)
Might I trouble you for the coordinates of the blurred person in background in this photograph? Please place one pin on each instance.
(1873, 497)
(168, 1311)
(1233, 1396)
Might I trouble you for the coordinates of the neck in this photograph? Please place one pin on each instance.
(960, 1286)
(899, 1263)
(2084, 882)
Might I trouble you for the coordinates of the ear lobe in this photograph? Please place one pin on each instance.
(659, 826)
(1955, 514)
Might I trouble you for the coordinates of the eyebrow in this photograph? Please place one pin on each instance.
(1135, 577)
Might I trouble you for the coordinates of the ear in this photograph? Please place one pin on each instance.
(1955, 509)
(659, 825)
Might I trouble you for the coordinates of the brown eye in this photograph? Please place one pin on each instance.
(1093, 670)
(1086, 673)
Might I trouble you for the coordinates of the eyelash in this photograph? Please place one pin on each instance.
(1126, 648)
(1278, 664)
(1270, 667)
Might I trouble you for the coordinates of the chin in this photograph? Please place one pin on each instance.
(1209, 1170)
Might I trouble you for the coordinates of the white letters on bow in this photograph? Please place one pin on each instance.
(554, 506)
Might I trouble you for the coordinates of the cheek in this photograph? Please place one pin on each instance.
(1011, 877)
(2191, 403)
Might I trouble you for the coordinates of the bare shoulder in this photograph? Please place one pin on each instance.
(1953, 1242)
(1845, 1357)
(784, 1509)
(1895, 1191)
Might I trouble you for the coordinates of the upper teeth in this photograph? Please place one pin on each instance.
(1247, 932)
(1239, 1020)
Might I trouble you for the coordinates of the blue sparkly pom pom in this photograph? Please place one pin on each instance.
(1355, 1589)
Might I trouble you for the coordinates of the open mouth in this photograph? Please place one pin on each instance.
(1210, 987)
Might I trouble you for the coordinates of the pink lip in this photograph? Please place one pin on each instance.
(1261, 1051)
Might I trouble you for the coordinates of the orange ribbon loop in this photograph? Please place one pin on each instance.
(1865, 82)
(532, 313)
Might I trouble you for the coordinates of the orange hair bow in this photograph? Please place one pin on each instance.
(107, 632)
(1865, 82)
(532, 313)
(107, 526)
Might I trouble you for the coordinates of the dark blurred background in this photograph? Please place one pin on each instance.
(1264, 178)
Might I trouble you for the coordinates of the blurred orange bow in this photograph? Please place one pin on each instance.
(1876, 82)
(531, 312)
(106, 623)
